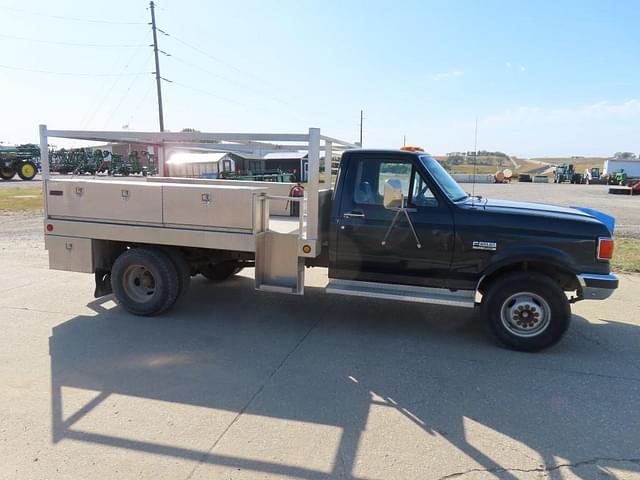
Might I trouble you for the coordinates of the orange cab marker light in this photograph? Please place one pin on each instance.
(605, 248)
(410, 148)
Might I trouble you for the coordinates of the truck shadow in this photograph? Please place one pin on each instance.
(336, 361)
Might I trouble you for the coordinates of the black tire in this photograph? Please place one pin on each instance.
(526, 311)
(220, 271)
(144, 281)
(7, 172)
(27, 170)
(182, 267)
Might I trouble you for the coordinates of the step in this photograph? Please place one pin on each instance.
(405, 293)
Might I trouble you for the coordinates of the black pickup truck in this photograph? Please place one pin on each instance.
(399, 221)
(395, 227)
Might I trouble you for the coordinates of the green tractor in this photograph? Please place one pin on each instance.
(618, 178)
(22, 160)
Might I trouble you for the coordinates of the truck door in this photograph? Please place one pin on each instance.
(363, 222)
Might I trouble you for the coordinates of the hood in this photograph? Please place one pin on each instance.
(552, 211)
(532, 207)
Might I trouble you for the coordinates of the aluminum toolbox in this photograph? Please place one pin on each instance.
(215, 206)
(118, 201)
(70, 253)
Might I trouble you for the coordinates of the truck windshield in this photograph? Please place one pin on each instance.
(448, 185)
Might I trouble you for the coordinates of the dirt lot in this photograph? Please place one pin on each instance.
(625, 209)
(239, 384)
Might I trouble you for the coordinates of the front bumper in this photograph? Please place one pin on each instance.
(597, 287)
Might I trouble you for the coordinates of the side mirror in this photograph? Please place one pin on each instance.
(392, 194)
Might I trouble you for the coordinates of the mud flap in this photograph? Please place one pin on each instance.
(103, 283)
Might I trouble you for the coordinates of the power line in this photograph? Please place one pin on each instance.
(113, 85)
(74, 74)
(74, 19)
(122, 99)
(70, 44)
(140, 103)
(86, 119)
(229, 80)
(220, 61)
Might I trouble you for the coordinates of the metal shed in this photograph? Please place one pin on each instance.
(293, 162)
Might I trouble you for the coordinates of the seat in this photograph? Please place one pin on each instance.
(364, 193)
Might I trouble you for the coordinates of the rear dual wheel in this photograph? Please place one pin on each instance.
(145, 281)
(220, 271)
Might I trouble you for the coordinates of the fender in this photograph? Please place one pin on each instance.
(529, 253)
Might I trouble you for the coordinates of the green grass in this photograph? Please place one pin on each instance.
(626, 255)
(20, 199)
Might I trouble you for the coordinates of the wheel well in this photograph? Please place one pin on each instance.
(195, 257)
(564, 277)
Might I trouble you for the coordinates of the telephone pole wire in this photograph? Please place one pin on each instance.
(157, 72)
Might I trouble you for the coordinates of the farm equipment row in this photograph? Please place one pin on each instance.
(24, 161)
(81, 161)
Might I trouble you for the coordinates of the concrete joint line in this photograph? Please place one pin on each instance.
(542, 469)
(254, 396)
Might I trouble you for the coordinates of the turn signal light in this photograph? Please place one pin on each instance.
(605, 248)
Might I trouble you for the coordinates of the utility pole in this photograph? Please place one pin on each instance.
(157, 72)
(361, 119)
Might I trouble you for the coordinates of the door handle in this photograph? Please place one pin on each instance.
(354, 214)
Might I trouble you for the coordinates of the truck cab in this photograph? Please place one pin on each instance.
(522, 263)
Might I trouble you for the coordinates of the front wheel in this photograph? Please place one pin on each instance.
(27, 170)
(526, 311)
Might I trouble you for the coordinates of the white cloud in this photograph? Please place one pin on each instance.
(522, 68)
(447, 75)
(508, 64)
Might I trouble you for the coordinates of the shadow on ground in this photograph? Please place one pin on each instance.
(330, 360)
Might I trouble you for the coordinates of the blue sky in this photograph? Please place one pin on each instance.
(544, 78)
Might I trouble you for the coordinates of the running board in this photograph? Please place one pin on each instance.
(406, 293)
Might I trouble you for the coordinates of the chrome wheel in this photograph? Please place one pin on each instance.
(139, 283)
(525, 314)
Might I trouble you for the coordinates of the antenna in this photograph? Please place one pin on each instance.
(475, 165)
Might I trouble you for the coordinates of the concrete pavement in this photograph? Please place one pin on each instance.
(234, 383)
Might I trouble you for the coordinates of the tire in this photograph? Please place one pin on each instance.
(7, 172)
(27, 170)
(145, 281)
(221, 271)
(182, 268)
(526, 311)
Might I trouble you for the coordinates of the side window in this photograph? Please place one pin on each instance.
(371, 175)
(421, 195)
(400, 171)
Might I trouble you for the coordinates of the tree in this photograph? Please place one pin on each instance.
(625, 156)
